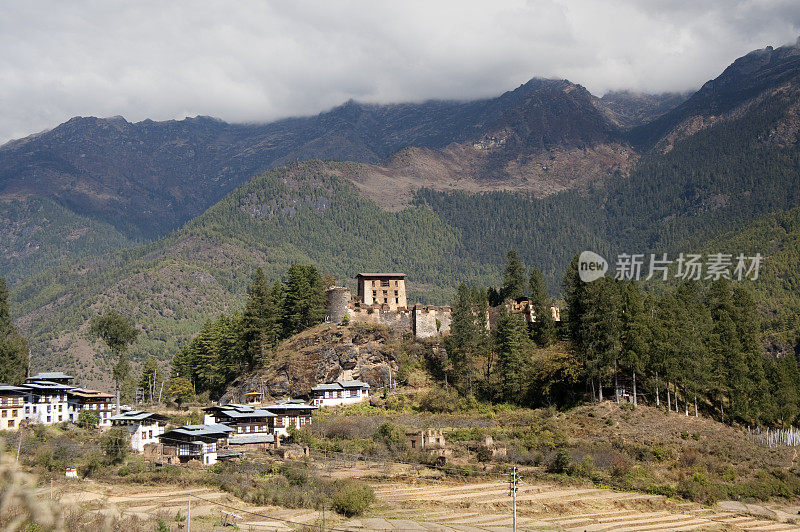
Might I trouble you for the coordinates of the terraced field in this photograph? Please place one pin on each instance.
(441, 505)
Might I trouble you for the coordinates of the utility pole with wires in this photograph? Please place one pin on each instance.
(512, 482)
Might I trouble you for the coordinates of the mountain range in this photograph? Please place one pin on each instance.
(166, 220)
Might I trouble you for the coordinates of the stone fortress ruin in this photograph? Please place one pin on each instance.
(381, 300)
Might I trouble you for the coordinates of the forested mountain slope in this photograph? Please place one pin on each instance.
(146, 179)
(703, 184)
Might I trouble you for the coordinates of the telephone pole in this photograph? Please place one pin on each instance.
(512, 481)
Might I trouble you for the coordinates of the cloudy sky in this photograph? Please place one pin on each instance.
(256, 61)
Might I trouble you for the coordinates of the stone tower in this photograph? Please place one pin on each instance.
(338, 301)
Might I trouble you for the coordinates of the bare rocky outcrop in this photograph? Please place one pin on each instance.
(325, 353)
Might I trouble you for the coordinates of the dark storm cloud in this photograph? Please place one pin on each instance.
(248, 61)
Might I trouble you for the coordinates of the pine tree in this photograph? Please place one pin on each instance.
(636, 337)
(462, 340)
(576, 298)
(304, 300)
(513, 277)
(512, 345)
(601, 335)
(785, 379)
(260, 315)
(748, 329)
(13, 347)
(691, 337)
(544, 328)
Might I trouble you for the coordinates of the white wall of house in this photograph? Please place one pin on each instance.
(340, 397)
(48, 409)
(144, 433)
(104, 412)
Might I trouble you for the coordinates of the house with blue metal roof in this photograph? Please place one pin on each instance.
(144, 427)
(196, 442)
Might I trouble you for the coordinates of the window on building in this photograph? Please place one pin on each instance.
(397, 300)
(49, 419)
(11, 424)
(14, 413)
(385, 300)
(385, 283)
(413, 444)
(5, 413)
(374, 294)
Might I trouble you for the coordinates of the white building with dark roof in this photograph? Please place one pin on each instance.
(290, 413)
(242, 418)
(101, 403)
(339, 393)
(143, 427)
(12, 406)
(196, 442)
(52, 376)
(46, 401)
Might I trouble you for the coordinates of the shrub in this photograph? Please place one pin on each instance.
(115, 444)
(92, 464)
(483, 454)
(352, 498)
(397, 402)
(88, 419)
(392, 436)
(439, 401)
(668, 490)
(560, 462)
(660, 453)
(689, 457)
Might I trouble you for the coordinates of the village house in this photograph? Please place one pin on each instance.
(46, 402)
(52, 376)
(339, 393)
(290, 413)
(12, 406)
(100, 403)
(195, 442)
(242, 418)
(144, 427)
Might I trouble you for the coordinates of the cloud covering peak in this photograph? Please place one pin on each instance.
(259, 61)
